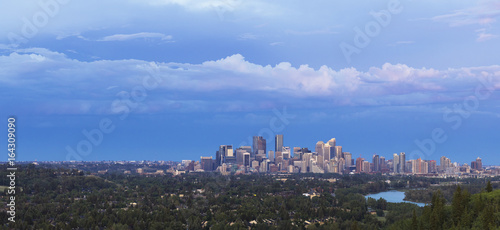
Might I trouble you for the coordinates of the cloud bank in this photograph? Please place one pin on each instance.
(53, 83)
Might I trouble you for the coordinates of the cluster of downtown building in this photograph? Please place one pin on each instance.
(327, 158)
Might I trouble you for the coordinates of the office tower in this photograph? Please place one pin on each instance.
(445, 163)
(326, 152)
(382, 164)
(341, 165)
(425, 167)
(255, 164)
(332, 142)
(246, 159)
(432, 166)
(479, 164)
(338, 152)
(402, 162)
(259, 146)
(277, 155)
(239, 154)
(348, 159)
(366, 167)
(218, 158)
(319, 161)
(320, 147)
(297, 152)
(206, 163)
(414, 166)
(225, 152)
(396, 163)
(306, 162)
(376, 163)
(271, 155)
(264, 166)
(285, 152)
(359, 164)
(278, 142)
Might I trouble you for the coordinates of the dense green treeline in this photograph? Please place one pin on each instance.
(425, 195)
(71, 199)
(466, 211)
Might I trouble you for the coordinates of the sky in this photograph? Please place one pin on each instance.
(174, 79)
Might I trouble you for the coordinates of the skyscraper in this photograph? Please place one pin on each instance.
(359, 164)
(382, 164)
(376, 163)
(320, 145)
(225, 154)
(395, 164)
(348, 159)
(326, 152)
(402, 162)
(444, 163)
(239, 154)
(271, 155)
(479, 164)
(338, 152)
(332, 142)
(259, 146)
(206, 163)
(246, 159)
(278, 142)
(297, 152)
(218, 159)
(285, 152)
(366, 167)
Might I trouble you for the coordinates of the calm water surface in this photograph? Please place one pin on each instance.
(393, 196)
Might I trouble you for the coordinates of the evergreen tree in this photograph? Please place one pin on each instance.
(456, 204)
(488, 218)
(414, 223)
(489, 188)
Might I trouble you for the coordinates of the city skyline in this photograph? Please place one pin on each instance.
(326, 158)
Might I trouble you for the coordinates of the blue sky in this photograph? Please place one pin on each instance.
(174, 79)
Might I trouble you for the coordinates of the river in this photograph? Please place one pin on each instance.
(393, 196)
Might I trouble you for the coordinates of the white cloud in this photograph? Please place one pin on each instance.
(328, 30)
(485, 14)
(142, 35)
(483, 35)
(230, 83)
(276, 43)
(248, 36)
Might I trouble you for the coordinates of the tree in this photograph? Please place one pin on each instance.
(457, 206)
(354, 225)
(489, 188)
(488, 218)
(414, 223)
